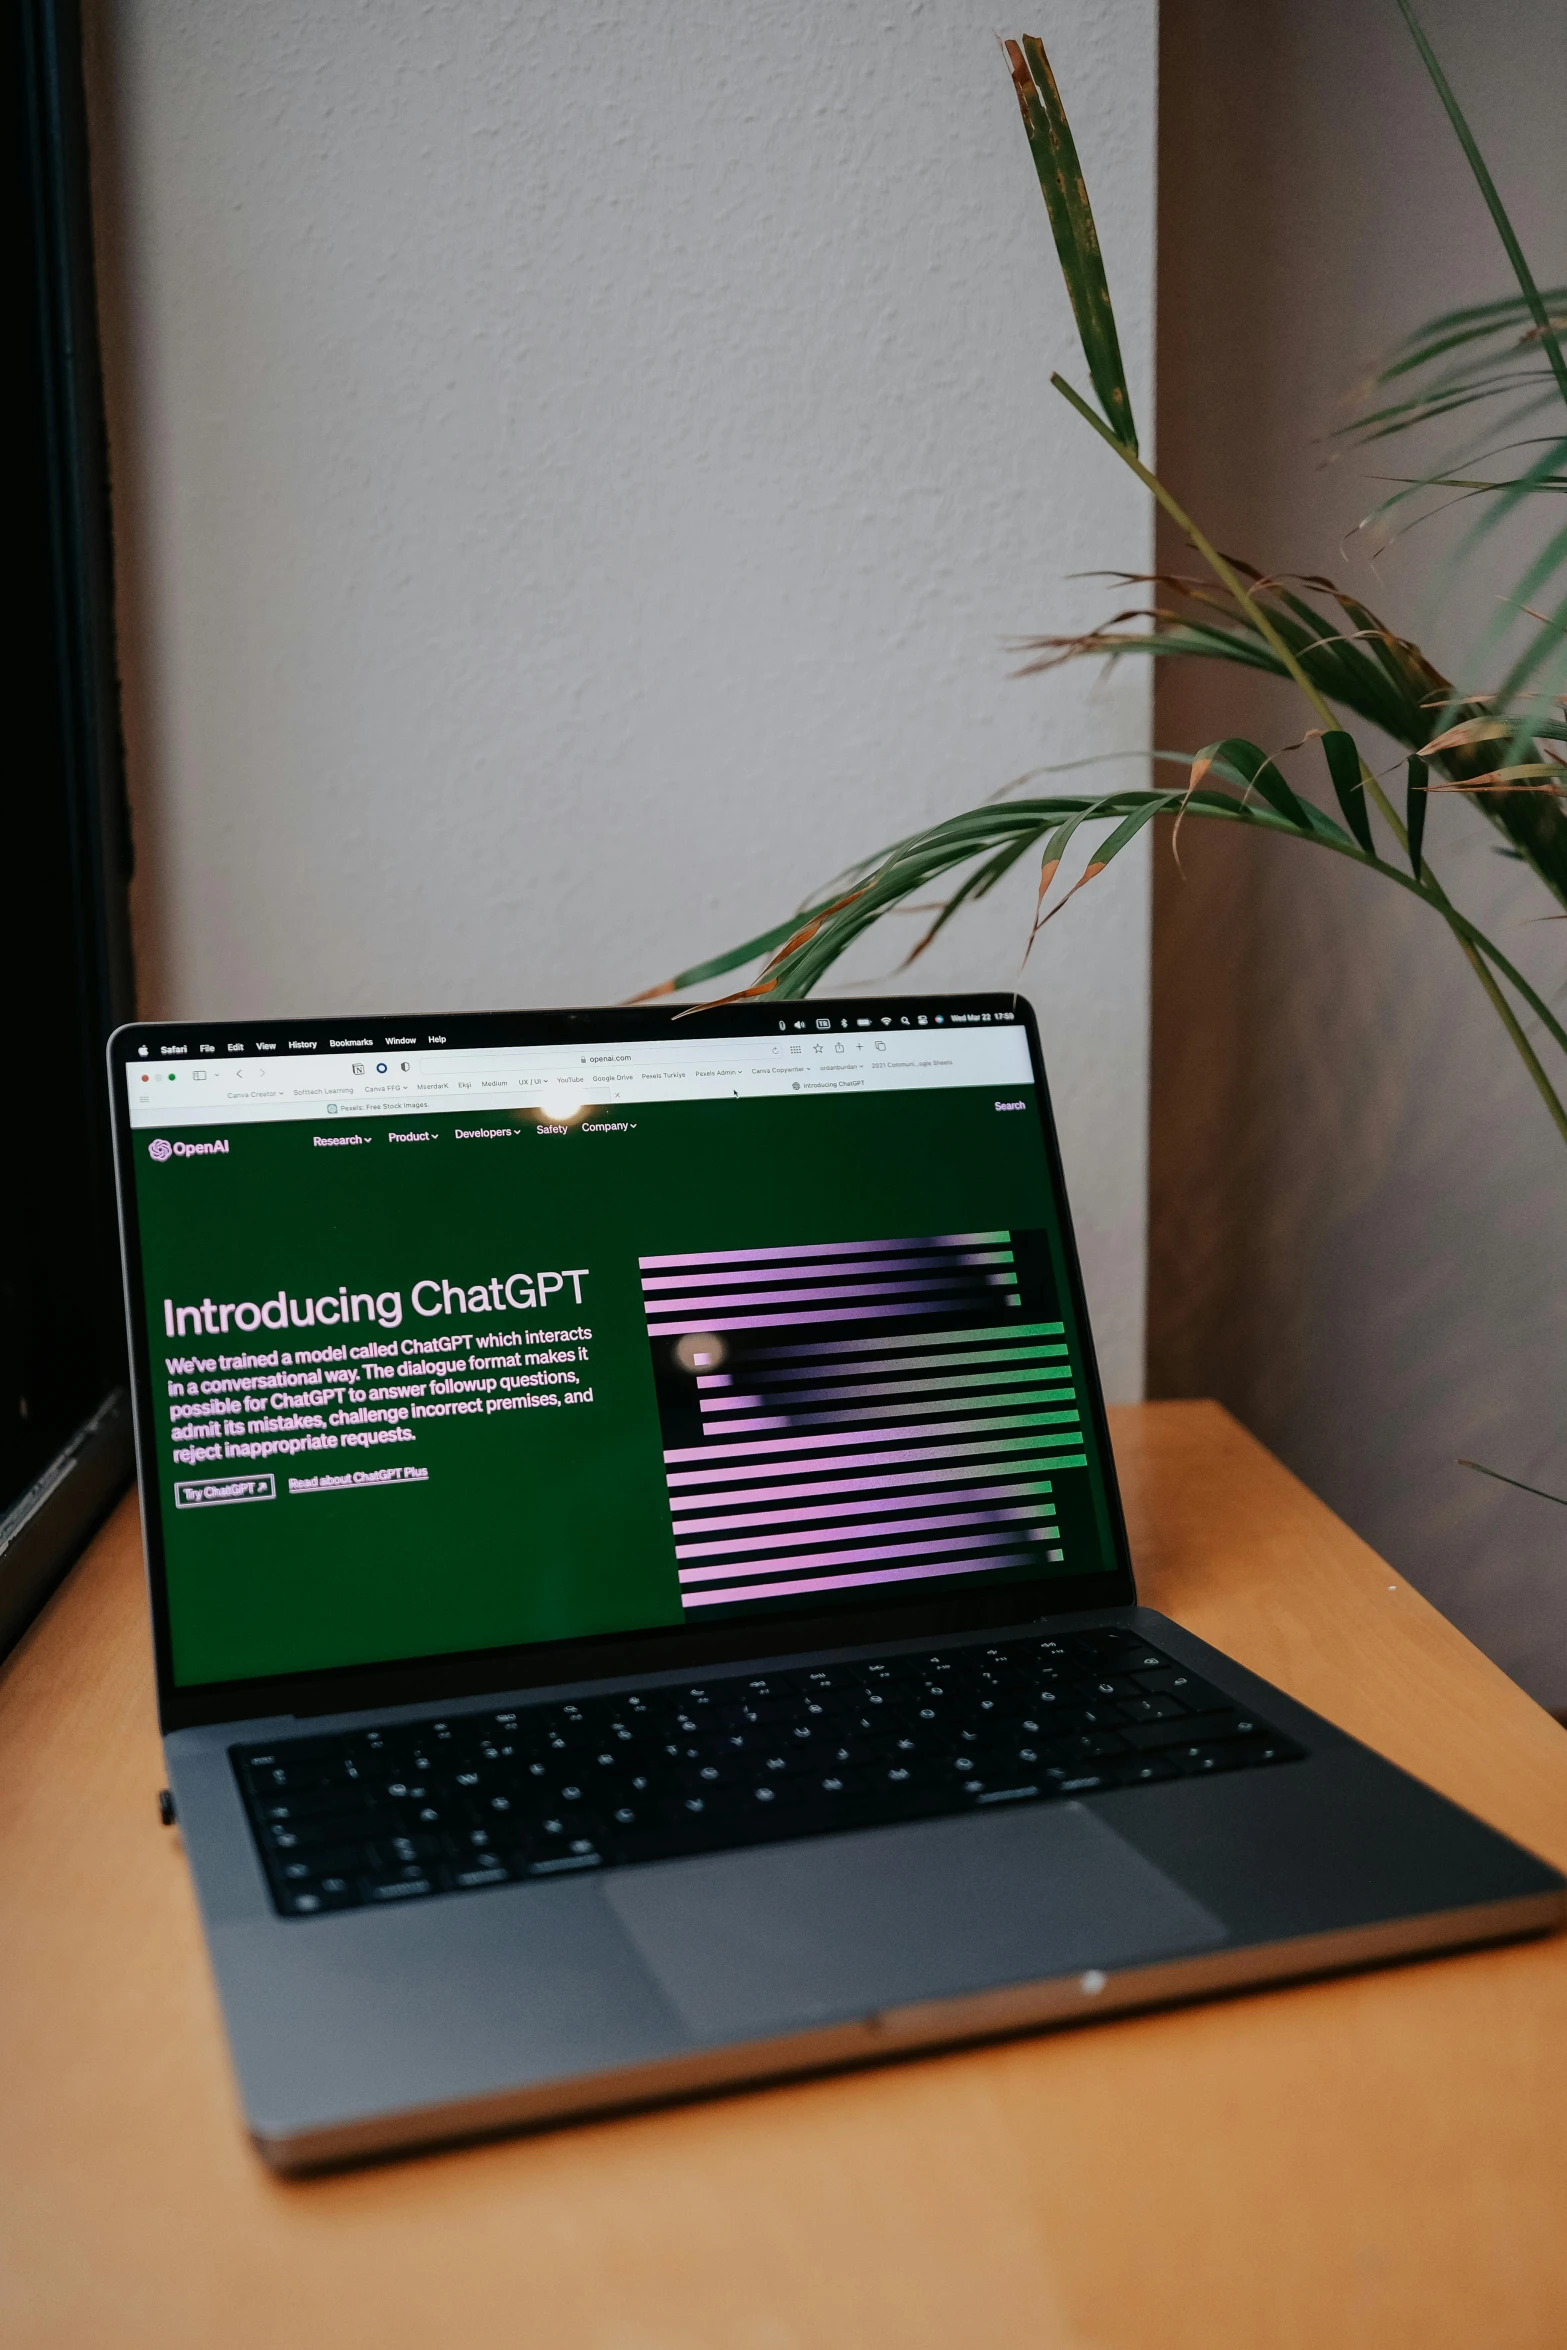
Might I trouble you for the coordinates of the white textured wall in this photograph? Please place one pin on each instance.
(577, 467)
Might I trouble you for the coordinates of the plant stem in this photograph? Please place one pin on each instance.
(1426, 884)
(1517, 1483)
(1525, 1050)
(1216, 563)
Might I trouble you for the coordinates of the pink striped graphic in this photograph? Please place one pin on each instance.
(846, 1441)
(709, 1321)
(908, 1495)
(1032, 1514)
(851, 1582)
(844, 1558)
(826, 1248)
(925, 1262)
(924, 1286)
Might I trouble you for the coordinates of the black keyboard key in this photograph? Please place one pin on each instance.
(1198, 1761)
(1152, 1709)
(1270, 1749)
(1186, 1729)
(336, 1802)
(1175, 1681)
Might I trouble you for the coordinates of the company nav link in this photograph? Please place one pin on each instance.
(256, 1407)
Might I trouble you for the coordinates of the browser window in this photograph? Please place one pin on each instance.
(457, 1348)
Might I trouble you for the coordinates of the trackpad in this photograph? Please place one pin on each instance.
(788, 1934)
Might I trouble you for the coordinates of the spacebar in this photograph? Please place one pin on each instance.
(754, 1823)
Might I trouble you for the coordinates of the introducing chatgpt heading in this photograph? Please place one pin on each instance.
(337, 1309)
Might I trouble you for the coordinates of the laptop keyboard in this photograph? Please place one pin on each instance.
(464, 1801)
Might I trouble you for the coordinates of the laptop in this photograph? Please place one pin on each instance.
(640, 1595)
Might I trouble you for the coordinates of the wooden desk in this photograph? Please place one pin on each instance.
(1374, 2161)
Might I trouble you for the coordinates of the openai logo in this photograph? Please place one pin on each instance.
(160, 1150)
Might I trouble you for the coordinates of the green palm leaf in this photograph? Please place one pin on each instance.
(1072, 225)
(1343, 762)
(1367, 671)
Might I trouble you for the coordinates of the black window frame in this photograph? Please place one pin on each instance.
(65, 1450)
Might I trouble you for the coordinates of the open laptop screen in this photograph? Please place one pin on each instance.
(460, 1346)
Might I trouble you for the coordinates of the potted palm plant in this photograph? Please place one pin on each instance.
(1490, 382)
